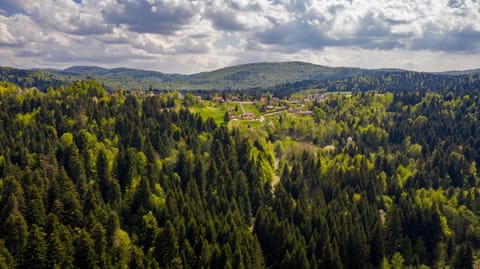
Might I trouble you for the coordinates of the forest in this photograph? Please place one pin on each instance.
(91, 179)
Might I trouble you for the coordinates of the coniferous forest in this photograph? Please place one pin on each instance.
(90, 179)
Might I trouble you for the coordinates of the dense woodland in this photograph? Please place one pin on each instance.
(282, 79)
(238, 77)
(392, 81)
(93, 180)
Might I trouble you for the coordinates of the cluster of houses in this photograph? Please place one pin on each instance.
(316, 97)
(244, 116)
(269, 102)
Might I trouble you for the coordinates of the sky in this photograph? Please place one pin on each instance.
(189, 36)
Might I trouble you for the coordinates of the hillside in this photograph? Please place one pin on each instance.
(120, 72)
(279, 77)
(266, 75)
(230, 78)
(386, 82)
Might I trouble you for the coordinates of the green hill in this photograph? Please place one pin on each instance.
(241, 77)
(229, 78)
(266, 74)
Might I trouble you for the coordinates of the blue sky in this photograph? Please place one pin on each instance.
(187, 36)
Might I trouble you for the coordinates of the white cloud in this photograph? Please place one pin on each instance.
(189, 36)
(5, 37)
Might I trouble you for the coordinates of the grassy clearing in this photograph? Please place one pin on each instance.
(217, 112)
(251, 108)
(246, 123)
(233, 106)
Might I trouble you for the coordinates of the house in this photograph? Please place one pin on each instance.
(231, 115)
(248, 116)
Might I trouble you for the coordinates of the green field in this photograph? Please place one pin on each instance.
(251, 108)
(215, 111)
(246, 123)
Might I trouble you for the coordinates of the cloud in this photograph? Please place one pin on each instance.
(234, 15)
(435, 38)
(5, 37)
(293, 36)
(199, 35)
(63, 15)
(225, 20)
(369, 32)
(153, 16)
(20, 30)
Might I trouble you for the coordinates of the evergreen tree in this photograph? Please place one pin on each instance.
(36, 251)
(16, 234)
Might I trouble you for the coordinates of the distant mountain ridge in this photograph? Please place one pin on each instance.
(266, 74)
(239, 77)
(461, 72)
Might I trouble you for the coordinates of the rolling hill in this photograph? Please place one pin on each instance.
(229, 78)
(240, 77)
(266, 75)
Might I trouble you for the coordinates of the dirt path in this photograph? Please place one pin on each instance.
(243, 109)
(274, 113)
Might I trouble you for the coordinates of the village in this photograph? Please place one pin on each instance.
(230, 106)
(268, 105)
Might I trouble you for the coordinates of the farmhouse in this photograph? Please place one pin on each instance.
(248, 116)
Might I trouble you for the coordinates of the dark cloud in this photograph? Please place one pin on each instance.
(85, 30)
(29, 53)
(371, 33)
(456, 3)
(250, 6)
(294, 36)
(374, 32)
(7, 45)
(434, 38)
(160, 17)
(372, 26)
(225, 20)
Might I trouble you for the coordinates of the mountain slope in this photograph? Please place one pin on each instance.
(240, 77)
(461, 72)
(117, 72)
(266, 74)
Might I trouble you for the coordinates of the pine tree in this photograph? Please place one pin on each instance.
(463, 257)
(85, 256)
(16, 233)
(36, 251)
(6, 259)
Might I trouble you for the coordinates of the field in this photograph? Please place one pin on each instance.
(245, 123)
(217, 111)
